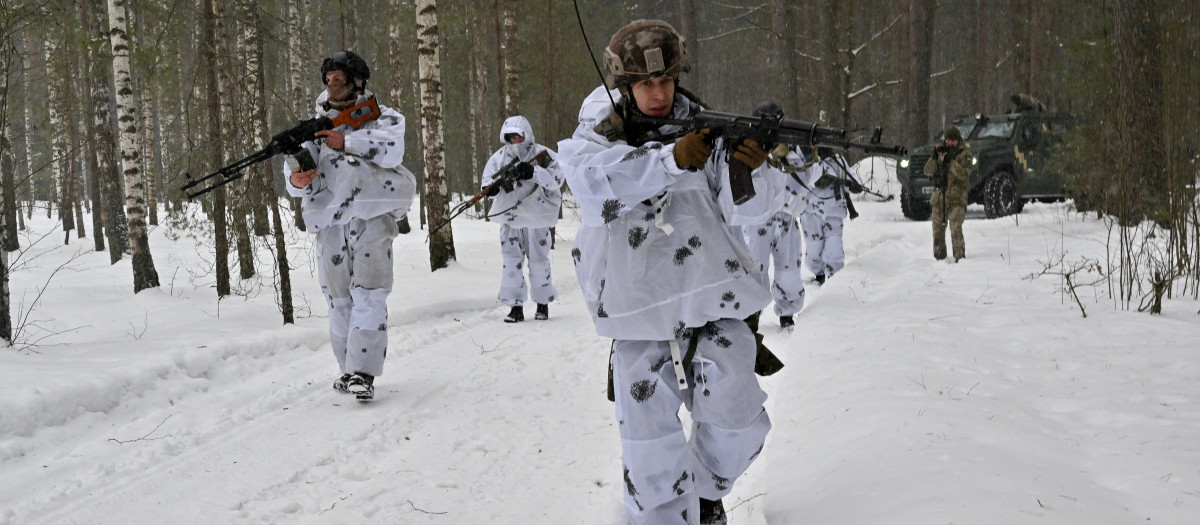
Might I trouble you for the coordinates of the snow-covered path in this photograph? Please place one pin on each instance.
(915, 392)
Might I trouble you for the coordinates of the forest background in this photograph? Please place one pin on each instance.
(209, 81)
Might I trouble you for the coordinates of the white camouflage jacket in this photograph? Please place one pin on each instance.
(532, 203)
(656, 252)
(363, 180)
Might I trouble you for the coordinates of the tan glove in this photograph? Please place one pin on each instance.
(750, 153)
(692, 151)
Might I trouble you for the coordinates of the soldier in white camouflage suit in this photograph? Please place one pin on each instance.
(664, 270)
(351, 204)
(831, 181)
(526, 207)
(779, 243)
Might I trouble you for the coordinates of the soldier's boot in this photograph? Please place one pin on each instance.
(939, 251)
(765, 362)
(786, 322)
(543, 312)
(516, 315)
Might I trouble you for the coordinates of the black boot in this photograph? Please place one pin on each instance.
(820, 278)
(362, 386)
(543, 312)
(712, 512)
(516, 315)
(786, 322)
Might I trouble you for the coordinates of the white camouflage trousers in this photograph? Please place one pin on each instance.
(779, 241)
(517, 244)
(665, 471)
(823, 243)
(355, 270)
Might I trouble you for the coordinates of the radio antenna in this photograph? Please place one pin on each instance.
(593, 57)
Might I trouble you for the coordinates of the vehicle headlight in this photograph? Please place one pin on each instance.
(903, 163)
(974, 161)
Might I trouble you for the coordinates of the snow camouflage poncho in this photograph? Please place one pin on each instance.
(824, 201)
(533, 203)
(656, 252)
(362, 181)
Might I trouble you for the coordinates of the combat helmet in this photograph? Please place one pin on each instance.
(644, 49)
(354, 66)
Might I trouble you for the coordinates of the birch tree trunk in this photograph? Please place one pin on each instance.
(116, 222)
(478, 83)
(230, 129)
(148, 144)
(8, 205)
(508, 54)
(253, 88)
(90, 140)
(213, 64)
(58, 139)
(144, 274)
(30, 127)
(441, 244)
(5, 314)
(301, 109)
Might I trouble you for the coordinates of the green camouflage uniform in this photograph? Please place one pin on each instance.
(954, 208)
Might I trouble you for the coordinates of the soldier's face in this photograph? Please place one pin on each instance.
(951, 142)
(655, 96)
(339, 87)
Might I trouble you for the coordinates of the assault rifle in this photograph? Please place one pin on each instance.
(768, 127)
(504, 180)
(287, 142)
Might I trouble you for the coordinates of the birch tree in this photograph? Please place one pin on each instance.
(116, 222)
(144, 273)
(90, 143)
(5, 313)
(8, 204)
(298, 99)
(58, 138)
(441, 244)
(508, 56)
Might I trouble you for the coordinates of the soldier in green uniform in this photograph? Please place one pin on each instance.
(949, 167)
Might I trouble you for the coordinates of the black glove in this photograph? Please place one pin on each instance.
(493, 190)
(524, 171)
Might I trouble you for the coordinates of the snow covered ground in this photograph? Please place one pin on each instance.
(915, 392)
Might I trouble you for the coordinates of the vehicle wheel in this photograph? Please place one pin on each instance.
(1000, 196)
(914, 207)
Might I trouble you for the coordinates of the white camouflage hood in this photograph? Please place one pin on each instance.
(519, 125)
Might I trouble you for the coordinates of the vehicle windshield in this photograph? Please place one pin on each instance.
(994, 129)
(964, 129)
